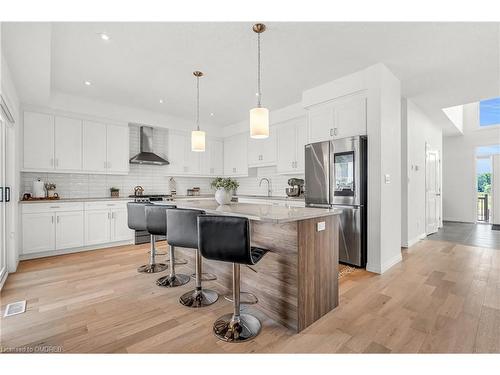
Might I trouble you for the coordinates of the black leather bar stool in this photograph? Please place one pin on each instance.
(136, 217)
(227, 239)
(178, 234)
(183, 232)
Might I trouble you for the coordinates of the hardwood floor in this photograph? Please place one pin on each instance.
(443, 297)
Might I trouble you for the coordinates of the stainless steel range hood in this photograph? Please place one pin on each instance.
(147, 156)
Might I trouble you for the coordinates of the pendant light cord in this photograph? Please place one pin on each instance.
(197, 103)
(259, 93)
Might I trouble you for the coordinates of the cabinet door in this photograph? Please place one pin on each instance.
(262, 151)
(235, 155)
(216, 159)
(117, 149)
(176, 153)
(229, 156)
(97, 227)
(94, 146)
(286, 135)
(192, 158)
(68, 144)
(38, 232)
(119, 225)
(69, 230)
(321, 123)
(38, 141)
(350, 117)
(301, 141)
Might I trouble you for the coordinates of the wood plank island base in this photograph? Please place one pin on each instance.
(296, 283)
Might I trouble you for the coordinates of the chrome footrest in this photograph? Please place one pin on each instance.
(152, 268)
(172, 281)
(246, 298)
(205, 276)
(178, 262)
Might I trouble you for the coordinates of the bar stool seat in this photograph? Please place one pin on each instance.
(136, 219)
(227, 239)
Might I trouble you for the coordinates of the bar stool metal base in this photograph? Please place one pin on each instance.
(226, 329)
(173, 281)
(152, 268)
(178, 262)
(248, 298)
(199, 298)
(205, 276)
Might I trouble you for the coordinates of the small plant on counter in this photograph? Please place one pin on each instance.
(224, 188)
(115, 192)
(227, 184)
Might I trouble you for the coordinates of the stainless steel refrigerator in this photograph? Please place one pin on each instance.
(336, 176)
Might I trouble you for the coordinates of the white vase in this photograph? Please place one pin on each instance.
(222, 196)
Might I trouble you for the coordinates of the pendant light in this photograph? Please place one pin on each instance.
(259, 116)
(198, 136)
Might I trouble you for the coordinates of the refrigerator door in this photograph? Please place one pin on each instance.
(346, 171)
(317, 174)
(351, 235)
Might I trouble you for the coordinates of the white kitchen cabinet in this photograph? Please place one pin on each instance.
(97, 227)
(340, 118)
(69, 229)
(38, 141)
(262, 152)
(117, 149)
(94, 146)
(291, 139)
(183, 161)
(235, 155)
(192, 158)
(213, 159)
(68, 144)
(119, 225)
(38, 232)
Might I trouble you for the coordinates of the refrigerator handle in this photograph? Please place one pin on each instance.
(1, 194)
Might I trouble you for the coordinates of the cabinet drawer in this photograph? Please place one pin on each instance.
(102, 205)
(29, 208)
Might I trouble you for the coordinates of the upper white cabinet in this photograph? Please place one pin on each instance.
(117, 149)
(68, 144)
(340, 118)
(182, 160)
(213, 159)
(235, 155)
(64, 144)
(262, 152)
(94, 146)
(38, 141)
(291, 139)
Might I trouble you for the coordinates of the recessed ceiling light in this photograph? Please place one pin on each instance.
(104, 36)
(161, 101)
(87, 83)
(212, 114)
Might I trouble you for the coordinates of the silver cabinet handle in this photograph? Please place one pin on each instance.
(109, 216)
(57, 217)
(335, 131)
(54, 207)
(331, 132)
(52, 219)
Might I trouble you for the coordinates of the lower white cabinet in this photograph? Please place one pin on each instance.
(66, 226)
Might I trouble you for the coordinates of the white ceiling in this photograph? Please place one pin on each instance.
(439, 64)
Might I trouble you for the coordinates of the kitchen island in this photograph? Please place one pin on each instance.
(296, 282)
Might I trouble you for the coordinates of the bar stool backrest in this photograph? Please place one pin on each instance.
(225, 238)
(182, 227)
(156, 219)
(136, 215)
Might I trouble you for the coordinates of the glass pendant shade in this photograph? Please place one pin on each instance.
(259, 123)
(198, 141)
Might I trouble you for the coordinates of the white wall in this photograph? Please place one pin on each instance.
(495, 191)
(417, 131)
(459, 166)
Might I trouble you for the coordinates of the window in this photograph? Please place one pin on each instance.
(489, 112)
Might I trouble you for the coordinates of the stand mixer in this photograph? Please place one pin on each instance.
(296, 188)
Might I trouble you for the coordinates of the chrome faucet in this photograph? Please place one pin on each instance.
(269, 189)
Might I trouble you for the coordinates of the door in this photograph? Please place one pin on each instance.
(38, 232)
(69, 230)
(321, 123)
(68, 144)
(38, 141)
(350, 117)
(301, 141)
(97, 227)
(94, 146)
(432, 191)
(262, 151)
(217, 159)
(350, 233)
(286, 135)
(192, 158)
(317, 174)
(119, 225)
(176, 153)
(3, 240)
(236, 155)
(117, 149)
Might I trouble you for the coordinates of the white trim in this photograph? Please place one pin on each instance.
(384, 266)
(74, 250)
(415, 240)
(3, 280)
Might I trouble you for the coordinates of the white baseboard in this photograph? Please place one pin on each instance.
(380, 269)
(4, 278)
(413, 241)
(75, 250)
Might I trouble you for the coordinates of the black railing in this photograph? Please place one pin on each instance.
(483, 212)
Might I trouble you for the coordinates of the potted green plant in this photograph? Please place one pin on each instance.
(224, 188)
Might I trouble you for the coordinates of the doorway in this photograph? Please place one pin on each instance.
(432, 190)
(483, 189)
(3, 196)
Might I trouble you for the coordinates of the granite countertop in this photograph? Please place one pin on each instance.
(76, 200)
(257, 212)
(271, 198)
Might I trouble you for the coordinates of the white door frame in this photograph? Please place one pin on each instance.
(436, 191)
(3, 216)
